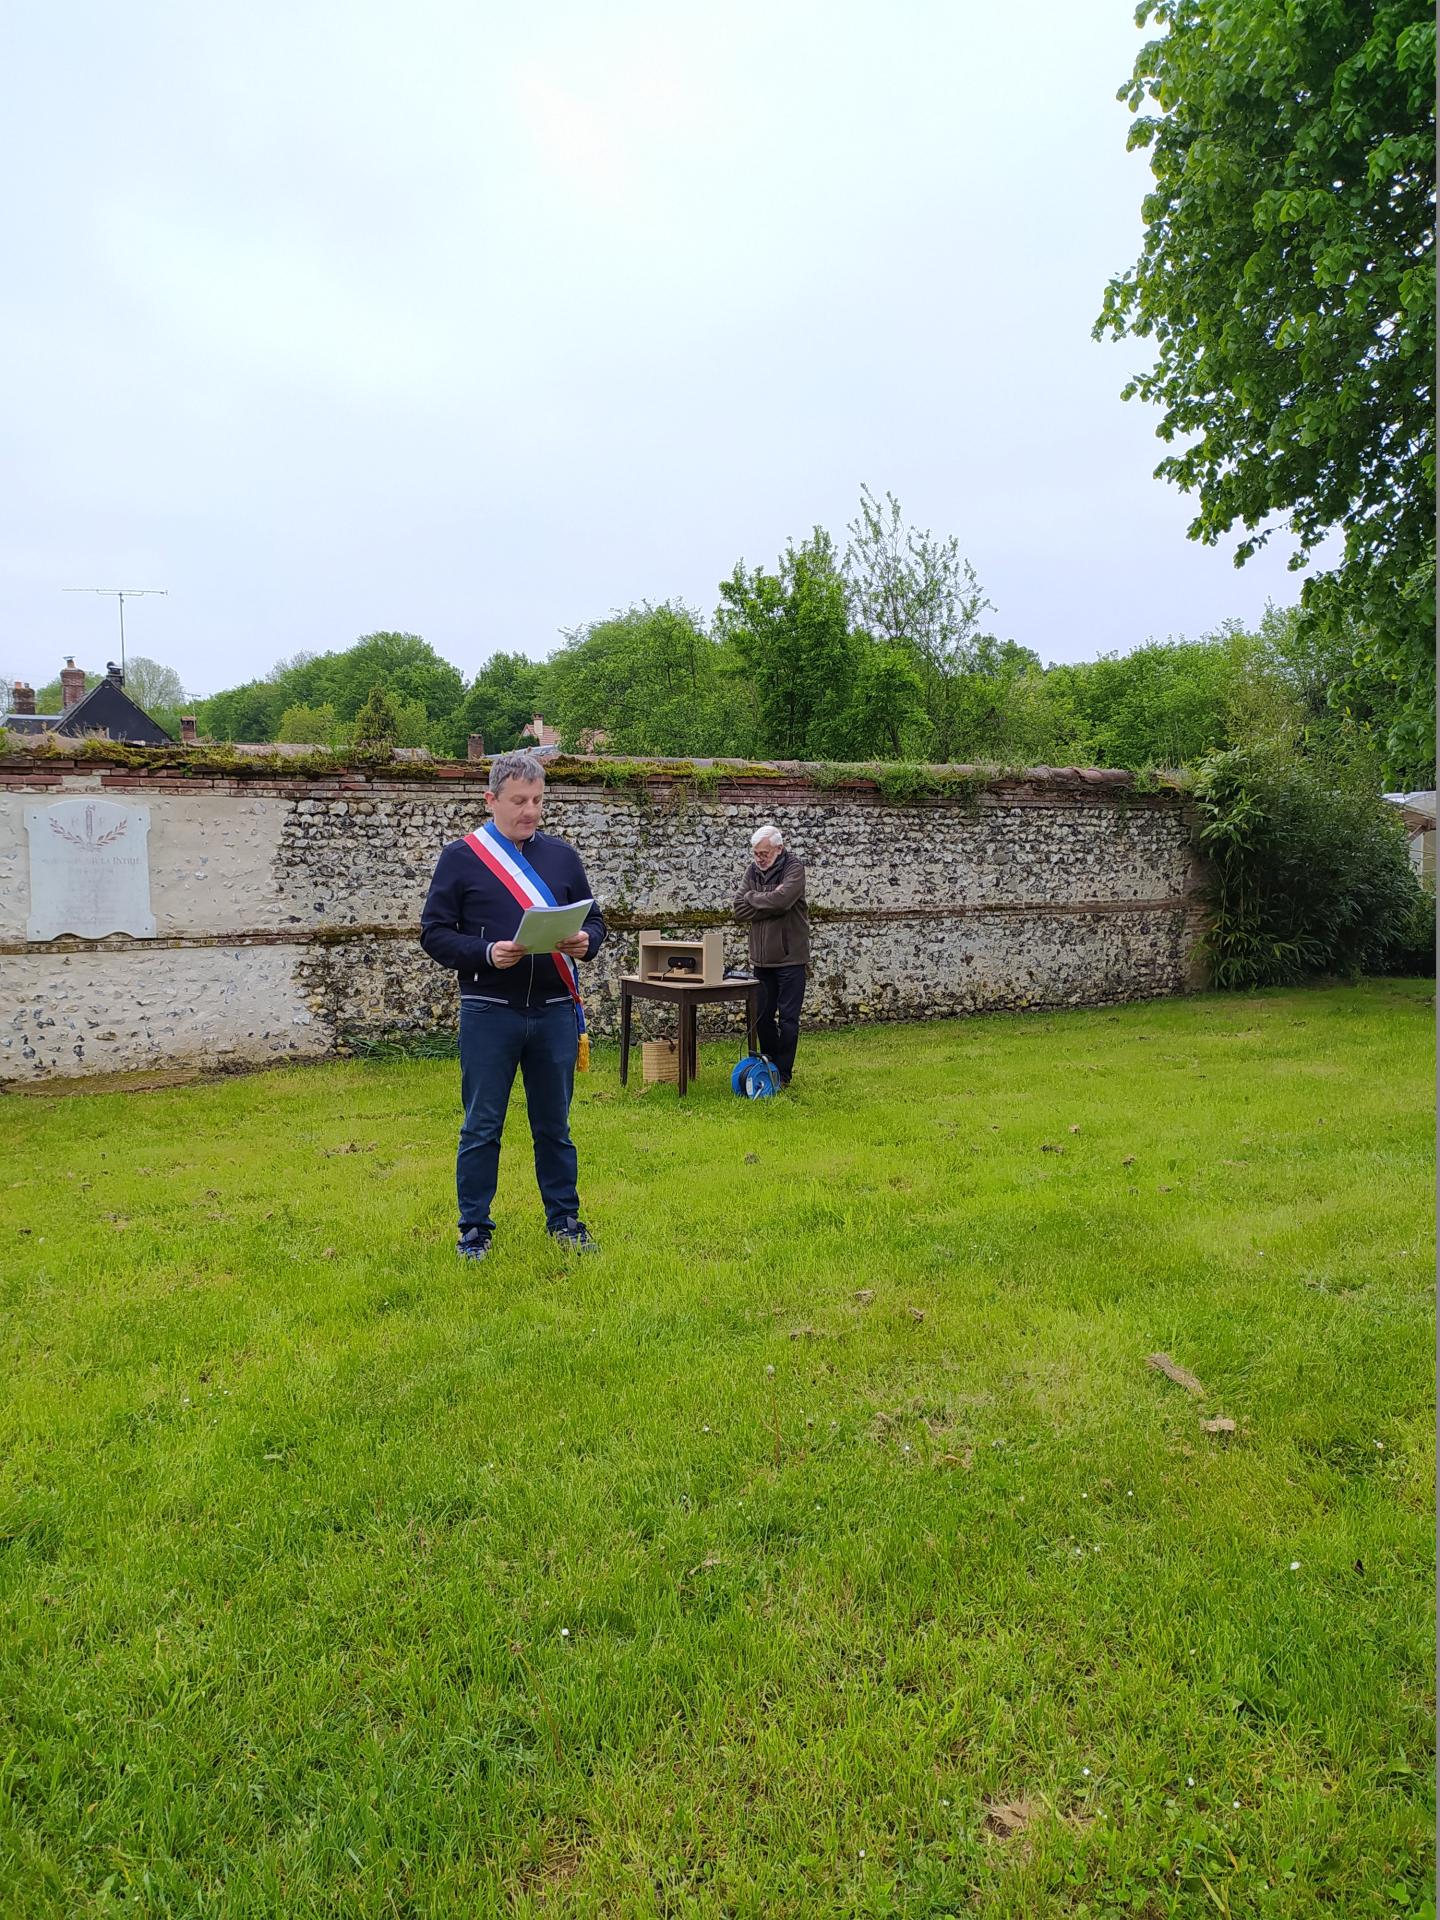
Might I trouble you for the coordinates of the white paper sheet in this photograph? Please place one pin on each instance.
(542, 929)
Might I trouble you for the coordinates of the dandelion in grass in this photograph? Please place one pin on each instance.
(1294, 1566)
(564, 1633)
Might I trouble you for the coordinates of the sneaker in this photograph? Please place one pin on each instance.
(473, 1244)
(574, 1237)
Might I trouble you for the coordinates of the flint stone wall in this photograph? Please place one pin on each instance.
(287, 906)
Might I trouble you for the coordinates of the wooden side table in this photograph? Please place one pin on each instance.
(687, 997)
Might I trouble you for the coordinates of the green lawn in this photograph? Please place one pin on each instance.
(752, 1566)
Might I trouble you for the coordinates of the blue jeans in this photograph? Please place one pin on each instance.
(541, 1042)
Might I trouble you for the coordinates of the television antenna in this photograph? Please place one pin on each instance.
(122, 594)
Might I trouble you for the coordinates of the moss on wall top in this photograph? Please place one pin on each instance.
(897, 782)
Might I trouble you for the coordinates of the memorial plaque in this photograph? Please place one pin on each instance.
(89, 869)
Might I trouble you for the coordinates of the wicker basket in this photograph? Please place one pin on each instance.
(660, 1061)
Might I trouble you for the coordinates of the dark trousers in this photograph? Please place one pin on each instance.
(782, 989)
(541, 1041)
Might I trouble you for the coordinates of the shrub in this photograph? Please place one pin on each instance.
(1311, 873)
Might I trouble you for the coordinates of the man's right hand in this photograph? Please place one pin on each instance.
(505, 953)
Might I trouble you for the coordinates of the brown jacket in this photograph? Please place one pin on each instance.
(773, 907)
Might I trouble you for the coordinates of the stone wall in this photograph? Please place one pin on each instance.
(286, 904)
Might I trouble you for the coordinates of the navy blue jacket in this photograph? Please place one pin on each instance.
(468, 909)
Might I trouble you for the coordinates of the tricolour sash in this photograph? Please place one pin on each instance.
(515, 873)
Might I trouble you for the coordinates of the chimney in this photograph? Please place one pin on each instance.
(22, 700)
(187, 729)
(72, 684)
(112, 672)
(474, 746)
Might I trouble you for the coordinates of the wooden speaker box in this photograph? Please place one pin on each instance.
(699, 963)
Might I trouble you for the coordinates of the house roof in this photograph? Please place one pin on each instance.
(1416, 809)
(107, 708)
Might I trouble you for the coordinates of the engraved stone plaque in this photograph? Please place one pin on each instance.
(89, 869)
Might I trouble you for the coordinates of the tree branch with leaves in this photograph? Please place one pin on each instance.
(1287, 281)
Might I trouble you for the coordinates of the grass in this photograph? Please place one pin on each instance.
(339, 1579)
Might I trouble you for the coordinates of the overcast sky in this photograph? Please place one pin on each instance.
(478, 322)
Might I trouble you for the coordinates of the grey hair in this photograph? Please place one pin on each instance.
(768, 832)
(520, 765)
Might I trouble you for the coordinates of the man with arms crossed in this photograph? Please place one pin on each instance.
(771, 902)
(516, 1009)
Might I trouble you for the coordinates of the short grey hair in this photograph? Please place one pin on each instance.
(768, 832)
(520, 765)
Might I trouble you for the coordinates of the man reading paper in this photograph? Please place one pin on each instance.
(517, 1008)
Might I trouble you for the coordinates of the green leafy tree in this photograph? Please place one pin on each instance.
(1294, 685)
(1287, 280)
(887, 718)
(251, 712)
(1004, 710)
(283, 669)
(503, 698)
(1164, 704)
(309, 726)
(158, 689)
(907, 589)
(413, 727)
(1039, 727)
(403, 664)
(788, 636)
(377, 724)
(155, 687)
(650, 679)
